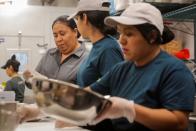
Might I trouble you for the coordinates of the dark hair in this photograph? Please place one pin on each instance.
(13, 57)
(96, 18)
(146, 31)
(12, 62)
(70, 23)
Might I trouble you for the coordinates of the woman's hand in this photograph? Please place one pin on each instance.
(27, 112)
(119, 108)
(27, 74)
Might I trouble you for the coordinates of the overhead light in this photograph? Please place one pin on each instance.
(19, 2)
(13, 2)
(6, 2)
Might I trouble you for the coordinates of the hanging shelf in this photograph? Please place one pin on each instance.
(188, 12)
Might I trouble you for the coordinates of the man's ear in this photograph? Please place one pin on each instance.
(153, 36)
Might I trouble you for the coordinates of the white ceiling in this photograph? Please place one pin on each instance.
(63, 3)
(53, 2)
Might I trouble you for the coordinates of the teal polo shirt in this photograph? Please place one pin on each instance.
(105, 53)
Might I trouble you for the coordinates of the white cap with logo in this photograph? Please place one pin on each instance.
(90, 5)
(138, 13)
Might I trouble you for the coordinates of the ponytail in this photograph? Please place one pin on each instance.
(96, 18)
(147, 29)
(167, 35)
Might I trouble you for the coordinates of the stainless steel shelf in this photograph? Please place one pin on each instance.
(188, 12)
(168, 7)
(184, 14)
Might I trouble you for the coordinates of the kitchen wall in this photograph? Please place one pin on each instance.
(22, 28)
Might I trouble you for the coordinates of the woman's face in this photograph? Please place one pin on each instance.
(82, 26)
(9, 71)
(65, 38)
(134, 46)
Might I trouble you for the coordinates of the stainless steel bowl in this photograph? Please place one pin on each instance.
(8, 116)
(68, 102)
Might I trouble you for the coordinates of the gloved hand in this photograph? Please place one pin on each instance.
(62, 124)
(119, 108)
(27, 112)
(27, 74)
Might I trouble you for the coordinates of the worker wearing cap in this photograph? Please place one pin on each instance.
(106, 51)
(151, 90)
(16, 83)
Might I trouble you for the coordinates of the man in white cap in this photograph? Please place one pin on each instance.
(151, 90)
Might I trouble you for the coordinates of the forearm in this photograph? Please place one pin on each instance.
(161, 119)
(155, 119)
(28, 84)
(88, 88)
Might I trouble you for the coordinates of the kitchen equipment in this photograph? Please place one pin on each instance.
(8, 116)
(7, 96)
(68, 102)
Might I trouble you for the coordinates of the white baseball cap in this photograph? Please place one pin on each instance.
(90, 5)
(138, 13)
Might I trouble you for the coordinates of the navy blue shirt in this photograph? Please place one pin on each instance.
(165, 82)
(104, 54)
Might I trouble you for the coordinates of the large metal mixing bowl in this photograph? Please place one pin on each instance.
(68, 102)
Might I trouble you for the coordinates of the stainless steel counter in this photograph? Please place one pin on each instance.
(45, 126)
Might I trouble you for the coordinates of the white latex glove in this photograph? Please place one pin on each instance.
(27, 74)
(27, 112)
(120, 108)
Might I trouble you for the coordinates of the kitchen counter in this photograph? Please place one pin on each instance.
(45, 126)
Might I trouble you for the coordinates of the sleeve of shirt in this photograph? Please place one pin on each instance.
(9, 86)
(104, 84)
(109, 58)
(178, 90)
(40, 64)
